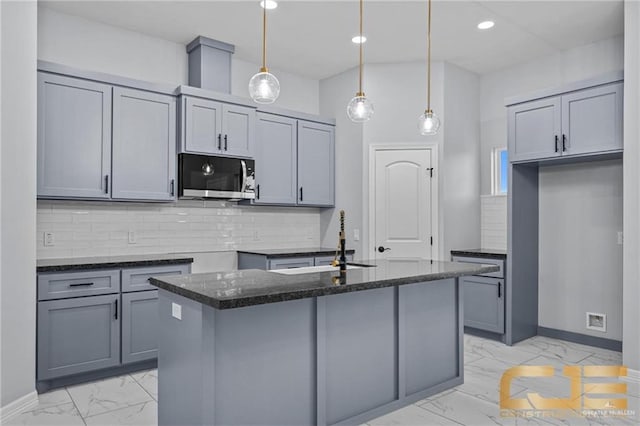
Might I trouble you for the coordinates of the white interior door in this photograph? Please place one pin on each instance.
(402, 222)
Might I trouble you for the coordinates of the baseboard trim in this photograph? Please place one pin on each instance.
(583, 339)
(18, 406)
(632, 376)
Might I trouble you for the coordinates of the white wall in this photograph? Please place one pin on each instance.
(94, 46)
(580, 264)
(18, 30)
(631, 184)
(335, 93)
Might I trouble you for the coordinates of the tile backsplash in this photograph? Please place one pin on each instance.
(103, 228)
(493, 221)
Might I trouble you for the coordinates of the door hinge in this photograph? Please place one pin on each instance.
(431, 240)
(430, 170)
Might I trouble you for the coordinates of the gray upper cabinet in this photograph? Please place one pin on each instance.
(573, 124)
(592, 120)
(202, 125)
(144, 145)
(276, 159)
(316, 164)
(534, 130)
(78, 335)
(215, 128)
(74, 138)
(238, 126)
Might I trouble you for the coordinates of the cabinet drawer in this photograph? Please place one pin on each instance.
(137, 279)
(484, 261)
(326, 260)
(289, 263)
(75, 284)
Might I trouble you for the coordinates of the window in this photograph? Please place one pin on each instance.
(500, 171)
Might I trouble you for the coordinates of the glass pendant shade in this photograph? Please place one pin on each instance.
(428, 123)
(360, 109)
(264, 87)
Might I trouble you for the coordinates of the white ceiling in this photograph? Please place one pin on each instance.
(313, 38)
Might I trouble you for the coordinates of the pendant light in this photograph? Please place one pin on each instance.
(428, 123)
(264, 87)
(360, 109)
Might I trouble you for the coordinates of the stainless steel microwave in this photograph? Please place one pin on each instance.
(206, 176)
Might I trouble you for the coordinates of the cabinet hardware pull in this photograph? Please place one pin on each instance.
(225, 142)
(106, 184)
(80, 284)
(116, 314)
(556, 143)
(499, 289)
(173, 189)
(301, 199)
(564, 143)
(258, 191)
(219, 141)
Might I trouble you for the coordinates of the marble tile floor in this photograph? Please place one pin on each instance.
(132, 399)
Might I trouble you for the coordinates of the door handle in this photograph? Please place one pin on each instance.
(225, 142)
(499, 289)
(219, 141)
(564, 143)
(383, 249)
(556, 143)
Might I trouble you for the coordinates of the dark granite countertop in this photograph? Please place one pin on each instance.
(235, 289)
(105, 262)
(488, 253)
(294, 252)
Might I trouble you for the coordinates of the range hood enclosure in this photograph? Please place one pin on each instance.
(210, 64)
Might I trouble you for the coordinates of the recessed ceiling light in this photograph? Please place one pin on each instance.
(358, 40)
(271, 4)
(485, 25)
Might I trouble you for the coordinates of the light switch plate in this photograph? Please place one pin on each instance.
(356, 235)
(49, 239)
(176, 311)
(132, 237)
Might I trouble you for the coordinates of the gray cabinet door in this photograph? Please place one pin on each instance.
(139, 326)
(592, 120)
(483, 303)
(238, 125)
(534, 130)
(202, 126)
(74, 138)
(77, 335)
(316, 164)
(144, 145)
(291, 262)
(276, 160)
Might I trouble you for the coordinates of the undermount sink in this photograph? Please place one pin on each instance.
(311, 269)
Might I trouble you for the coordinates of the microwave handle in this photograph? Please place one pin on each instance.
(244, 175)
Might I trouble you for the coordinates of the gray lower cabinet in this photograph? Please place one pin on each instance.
(276, 158)
(316, 164)
(139, 326)
(483, 303)
(78, 335)
(144, 145)
(74, 138)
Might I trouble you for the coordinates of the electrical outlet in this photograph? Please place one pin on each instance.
(256, 236)
(176, 311)
(596, 321)
(620, 238)
(356, 235)
(132, 237)
(49, 239)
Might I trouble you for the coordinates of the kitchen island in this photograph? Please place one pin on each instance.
(269, 348)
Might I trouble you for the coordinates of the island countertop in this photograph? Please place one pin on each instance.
(236, 289)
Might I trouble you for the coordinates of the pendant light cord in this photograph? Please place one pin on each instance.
(429, 59)
(361, 48)
(264, 37)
